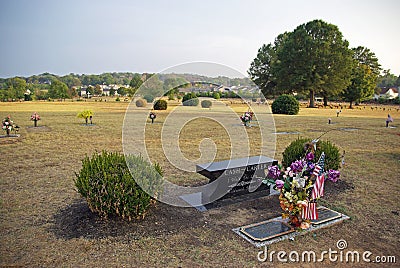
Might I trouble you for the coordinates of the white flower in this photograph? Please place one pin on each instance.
(6, 123)
(288, 196)
(302, 182)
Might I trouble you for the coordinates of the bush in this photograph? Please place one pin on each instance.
(160, 105)
(148, 98)
(190, 99)
(216, 95)
(285, 104)
(296, 151)
(111, 190)
(206, 103)
(171, 97)
(117, 99)
(141, 103)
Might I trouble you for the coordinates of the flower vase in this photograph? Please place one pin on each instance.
(8, 131)
(35, 123)
(294, 220)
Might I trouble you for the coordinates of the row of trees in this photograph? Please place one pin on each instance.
(48, 85)
(315, 59)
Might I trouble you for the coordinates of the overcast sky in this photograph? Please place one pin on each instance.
(93, 37)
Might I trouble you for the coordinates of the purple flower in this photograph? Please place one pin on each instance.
(310, 156)
(311, 166)
(279, 184)
(273, 172)
(297, 166)
(333, 175)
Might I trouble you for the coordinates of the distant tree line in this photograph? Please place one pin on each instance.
(46, 85)
(315, 60)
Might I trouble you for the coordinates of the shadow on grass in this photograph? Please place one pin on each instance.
(76, 220)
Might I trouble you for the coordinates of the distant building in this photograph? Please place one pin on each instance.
(388, 93)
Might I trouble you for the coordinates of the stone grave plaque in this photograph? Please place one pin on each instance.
(266, 230)
(235, 177)
(325, 215)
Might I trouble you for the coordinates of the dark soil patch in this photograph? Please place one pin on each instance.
(13, 138)
(76, 220)
(38, 129)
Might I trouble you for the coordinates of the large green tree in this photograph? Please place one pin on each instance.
(261, 69)
(365, 74)
(313, 59)
(58, 90)
(16, 88)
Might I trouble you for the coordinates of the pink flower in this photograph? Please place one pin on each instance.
(279, 184)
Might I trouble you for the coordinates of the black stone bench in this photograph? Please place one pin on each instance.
(235, 178)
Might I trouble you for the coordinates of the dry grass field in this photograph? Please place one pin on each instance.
(45, 223)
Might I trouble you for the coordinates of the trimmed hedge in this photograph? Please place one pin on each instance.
(285, 104)
(190, 99)
(141, 103)
(206, 103)
(160, 105)
(111, 190)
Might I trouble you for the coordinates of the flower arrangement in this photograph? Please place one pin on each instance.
(246, 118)
(152, 117)
(86, 114)
(8, 125)
(35, 117)
(301, 185)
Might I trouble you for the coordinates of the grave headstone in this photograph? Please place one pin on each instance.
(235, 177)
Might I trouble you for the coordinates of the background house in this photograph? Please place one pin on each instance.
(388, 93)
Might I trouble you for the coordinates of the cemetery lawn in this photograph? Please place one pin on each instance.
(45, 222)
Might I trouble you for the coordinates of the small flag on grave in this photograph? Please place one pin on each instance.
(318, 189)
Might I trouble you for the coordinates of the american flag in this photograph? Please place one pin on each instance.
(310, 211)
(318, 189)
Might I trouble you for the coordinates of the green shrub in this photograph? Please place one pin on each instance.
(117, 99)
(141, 103)
(110, 189)
(206, 103)
(296, 151)
(190, 99)
(285, 104)
(160, 105)
(216, 95)
(148, 98)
